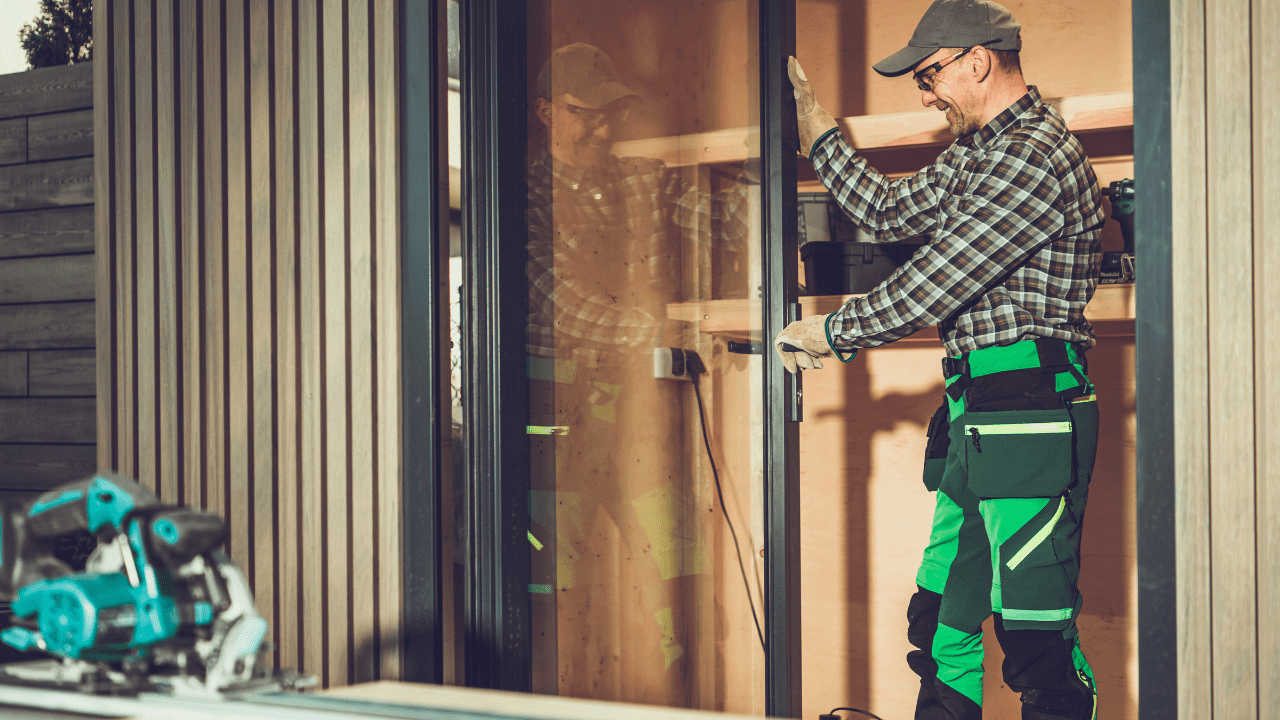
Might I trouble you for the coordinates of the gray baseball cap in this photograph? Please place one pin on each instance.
(583, 71)
(955, 24)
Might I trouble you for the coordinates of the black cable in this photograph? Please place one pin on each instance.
(864, 712)
(693, 375)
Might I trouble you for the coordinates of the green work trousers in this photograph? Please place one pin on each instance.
(1010, 457)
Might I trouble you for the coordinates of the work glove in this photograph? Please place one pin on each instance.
(803, 344)
(812, 119)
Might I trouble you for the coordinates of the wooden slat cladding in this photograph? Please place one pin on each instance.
(1227, 350)
(247, 162)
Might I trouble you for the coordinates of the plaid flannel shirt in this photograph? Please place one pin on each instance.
(1015, 220)
(575, 216)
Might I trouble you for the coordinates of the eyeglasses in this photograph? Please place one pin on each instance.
(926, 83)
(594, 118)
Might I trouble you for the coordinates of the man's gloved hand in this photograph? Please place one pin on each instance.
(803, 344)
(812, 119)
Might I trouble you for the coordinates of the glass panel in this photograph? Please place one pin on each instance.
(644, 237)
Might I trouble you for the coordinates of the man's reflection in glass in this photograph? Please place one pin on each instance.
(607, 238)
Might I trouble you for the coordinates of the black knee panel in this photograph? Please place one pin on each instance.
(1037, 663)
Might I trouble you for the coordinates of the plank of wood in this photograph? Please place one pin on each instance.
(41, 467)
(167, 242)
(1233, 529)
(13, 141)
(125, 241)
(13, 373)
(146, 187)
(1190, 347)
(47, 420)
(1084, 114)
(63, 372)
(60, 135)
(46, 90)
(1266, 256)
(386, 181)
(48, 184)
(260, 339)
(54, 231)
(287, 519)
(51, 325)
(103, 241)
(213, 270)
(315, 639)
(46, 279)
(336, 333)
(191, 260)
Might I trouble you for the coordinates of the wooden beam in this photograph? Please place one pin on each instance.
(52, 231)
(48, 184)
(62, 372)
(48, 325)
(46, 279)
(60, 135)
(46, 90)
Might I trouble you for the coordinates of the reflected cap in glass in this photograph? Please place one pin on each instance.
(955, 24)
(585, 72)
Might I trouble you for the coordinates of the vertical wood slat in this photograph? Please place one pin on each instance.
(312, 445)
(261, 205)
(289, 635)
(360, 398)
(255, 212)
(1231, 407)
(145, 246)
(386, 183)
(1266, 218)
(104, 103)
(169, 422)
(1190, 345)
(336, 330)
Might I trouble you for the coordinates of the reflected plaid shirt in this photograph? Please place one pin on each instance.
(629, 200)
(1015, 217)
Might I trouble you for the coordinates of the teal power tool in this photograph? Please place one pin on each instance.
(1117, 267)
(158, 607)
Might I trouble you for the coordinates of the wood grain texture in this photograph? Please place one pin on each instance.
(46, 90)
(44, 466)
(13, 373)
(13, 141)
(50, 184)
(122, 201)
(60, 135)
(63, 373)
(213, 268)
(104, 239)
(52, 325)
(1231, 355)
(168, 421)
(189, 173)
(1190, 346)
(1266, 263)
(49, 278)
(144, 257)
(47, 232)
(47, 420)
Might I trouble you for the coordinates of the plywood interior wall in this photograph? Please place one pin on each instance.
(248, 298)
(1226, 303)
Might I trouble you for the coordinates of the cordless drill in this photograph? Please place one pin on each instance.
(1117, 267)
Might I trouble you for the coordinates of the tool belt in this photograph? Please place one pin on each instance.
(1040, 355)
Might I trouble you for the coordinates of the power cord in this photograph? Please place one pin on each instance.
(695, 367)
(833, 716)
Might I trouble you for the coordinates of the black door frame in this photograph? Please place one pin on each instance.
(494, 116)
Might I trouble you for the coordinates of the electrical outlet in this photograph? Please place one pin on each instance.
(675, 363)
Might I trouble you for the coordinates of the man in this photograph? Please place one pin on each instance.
(607, 240)
(1013, 216)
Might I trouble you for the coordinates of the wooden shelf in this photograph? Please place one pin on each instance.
(1084, 114)
(1111, 312)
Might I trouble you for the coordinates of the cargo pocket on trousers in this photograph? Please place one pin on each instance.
(1018, 453)
(935, 452)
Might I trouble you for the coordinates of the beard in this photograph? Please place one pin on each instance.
(959, 124)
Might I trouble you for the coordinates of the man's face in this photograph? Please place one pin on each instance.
(581, 134)
(951, 90)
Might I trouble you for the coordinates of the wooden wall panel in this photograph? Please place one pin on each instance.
(47, 279)
(1224, 193)
(1266, 263)
(250, 184)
